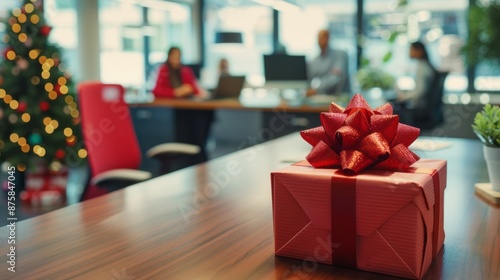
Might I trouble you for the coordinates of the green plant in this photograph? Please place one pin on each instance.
(484, 34)
(370, 77)
(487, 125)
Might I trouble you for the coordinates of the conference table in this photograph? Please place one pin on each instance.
(214, 221)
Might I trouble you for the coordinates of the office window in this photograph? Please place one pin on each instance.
(62, 17)
(299, 28)
(121, 40)
(6, 6)
(133, 45)
(487, 78)
(254, 22)
(441, 25)
(170, 25)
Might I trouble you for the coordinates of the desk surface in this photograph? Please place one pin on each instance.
(214, 221)
(321, 104)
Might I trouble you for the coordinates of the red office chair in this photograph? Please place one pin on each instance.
(108, 132)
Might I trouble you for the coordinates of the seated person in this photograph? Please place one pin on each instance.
(328, 72)
(424, 77)
(191, 126)
(175, 79)
(412, 104)
(224, 67)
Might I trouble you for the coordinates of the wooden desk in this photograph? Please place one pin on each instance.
(214, 221)
(268, 114)
(232, 104)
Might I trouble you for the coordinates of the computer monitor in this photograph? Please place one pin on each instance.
(196, 68)
(284, 71)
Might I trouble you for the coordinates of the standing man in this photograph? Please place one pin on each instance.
(328, 72)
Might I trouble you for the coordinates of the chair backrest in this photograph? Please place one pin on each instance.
(435, 97)
(108, 130)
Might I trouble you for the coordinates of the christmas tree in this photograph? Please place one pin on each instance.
(39, 118)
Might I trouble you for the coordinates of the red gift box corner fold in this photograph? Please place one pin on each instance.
(398, 216)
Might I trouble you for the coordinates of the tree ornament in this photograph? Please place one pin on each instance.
(22, 63)
(44, 106)
(6, 51)
(13, 118)
(22, 107)
(60, 154)
(45, 30)
(38, 5)
(15, 71)
(70, 141)
(28, 43)
(57, 88)
(35, 138)
(55, 166)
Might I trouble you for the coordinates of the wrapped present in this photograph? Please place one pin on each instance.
(44, 198)
(44, 187)
(362, 199)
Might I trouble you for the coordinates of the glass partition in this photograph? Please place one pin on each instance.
(254, 22)
(299, 28)
(132, 46)
(487, 77)
(62, 17)
(122, 44)
(440, 25)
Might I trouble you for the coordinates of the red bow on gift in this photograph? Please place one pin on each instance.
(357, 137)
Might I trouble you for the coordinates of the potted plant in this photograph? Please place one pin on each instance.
(487, 127)
(370, 77)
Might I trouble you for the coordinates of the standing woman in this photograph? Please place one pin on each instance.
(424, 76)
(191, 126)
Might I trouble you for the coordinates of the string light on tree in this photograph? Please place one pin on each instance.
(37, 105)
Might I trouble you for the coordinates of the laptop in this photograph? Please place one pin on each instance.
(228, 87)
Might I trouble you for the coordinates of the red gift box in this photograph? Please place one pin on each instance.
(362, 199)
(386, 222)
(45, 188)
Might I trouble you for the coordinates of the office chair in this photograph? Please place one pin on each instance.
(113, 150)
(430, 114)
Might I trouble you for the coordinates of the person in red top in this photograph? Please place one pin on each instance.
(191, 126)
(175, 79)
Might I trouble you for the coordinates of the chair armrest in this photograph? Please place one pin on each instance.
(172, 148)
(130, 175)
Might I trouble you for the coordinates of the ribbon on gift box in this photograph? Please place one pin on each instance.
(356, 138)
(343, 216)
(437, 204)
(353, 139)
